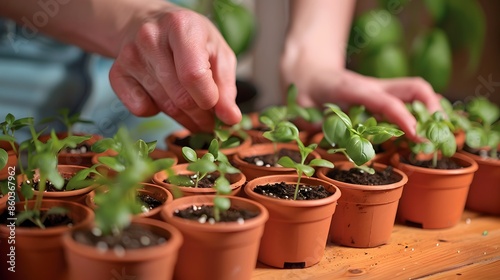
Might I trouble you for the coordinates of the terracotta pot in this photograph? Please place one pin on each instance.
(459, 139)
(152, 190)
(365, 214)
(222, 251)
(484, 192)
(177, 150)
(381, 157)
(237, 181)
(39, 252)
(296, 233)
(256, 133)
(253, 171)
(78, 195)
(157, 262)
(11, 160)
(83, 159)
(434, 198)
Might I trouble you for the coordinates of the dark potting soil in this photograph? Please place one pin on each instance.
(52, 220)
(81, 148)
(132, 237)
(205, 213)
(361, 177)
(202, 141)
(272, 159)
(442, 163)
(149, 202)
(286, 191)
(206, 182)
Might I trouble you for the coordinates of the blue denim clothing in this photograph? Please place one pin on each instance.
(39, 76)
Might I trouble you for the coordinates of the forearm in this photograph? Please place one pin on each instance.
(100, 26)
(320, 28)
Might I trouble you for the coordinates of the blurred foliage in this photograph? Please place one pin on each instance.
(235, 22)
(380, 47)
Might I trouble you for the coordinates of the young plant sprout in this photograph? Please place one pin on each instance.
(42, 157)
(67, 120)
(286, 129)
(355, 141)
(437, 129)
(9, 127)
(484, 131)
(119, 203)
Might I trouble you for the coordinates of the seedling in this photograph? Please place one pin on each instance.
(9, 127)
(42, 157)
(119, 203)
(437, 129)
(355, 141)
(288, 129)
(67, 120)
(484, 132)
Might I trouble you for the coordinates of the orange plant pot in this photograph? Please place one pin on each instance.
(365, 214)
(296, 233)
(434, 198)
(222, 251)
(157, 262)
(78, 195)
(152, 190)
(484, 192)
(253, 171)
(177, 150)
(236, 180)
(39, 252)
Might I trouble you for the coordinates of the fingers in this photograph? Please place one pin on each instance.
(414, 88)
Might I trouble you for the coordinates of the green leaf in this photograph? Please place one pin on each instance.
(287, 162)
(25, 215)
(360, 150)
(439, 132)
(306, 169)
(112, 163)
(345, 118)
(189, 154)
(449, 147)
(223, 203)
(56, 211)
(4, 157)
(103, 145)
(235, 23)
(321, 163)
(202, 166)
(431, 58)
(335, 131)
(476, 138)
(181, 180)
(222, 185)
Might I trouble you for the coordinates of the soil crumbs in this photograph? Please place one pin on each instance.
(52, 220)
(272, 159)
(286, 191)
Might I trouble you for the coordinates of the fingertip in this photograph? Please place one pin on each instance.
(229, 115)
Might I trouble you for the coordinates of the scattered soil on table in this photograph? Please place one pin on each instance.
(286, 191)
(52, 220)
(361, 177)
(205, 213)
(81, 148)
(132, 237)
(444, 163)
(272, 159)
(206, 182)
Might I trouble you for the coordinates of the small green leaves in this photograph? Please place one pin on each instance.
(360, 150)
(4, 157)
(189, 154)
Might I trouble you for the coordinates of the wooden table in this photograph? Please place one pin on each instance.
(469, 250)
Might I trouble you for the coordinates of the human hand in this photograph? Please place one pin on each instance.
(319, 83)
(175, 61)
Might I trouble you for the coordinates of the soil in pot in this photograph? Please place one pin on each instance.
(361, 177)
(286, 191)
(132, 237)
(206, 182)
(442, 163)
(269, 160)
(49, 187)
(52, 220)
(203, 213)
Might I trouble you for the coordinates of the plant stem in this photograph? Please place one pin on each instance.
(299, 173)
(434, 159)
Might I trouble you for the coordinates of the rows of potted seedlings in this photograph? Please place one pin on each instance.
(261, 190)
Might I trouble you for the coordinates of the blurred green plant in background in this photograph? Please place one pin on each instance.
(380, 45)
(235, 22)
